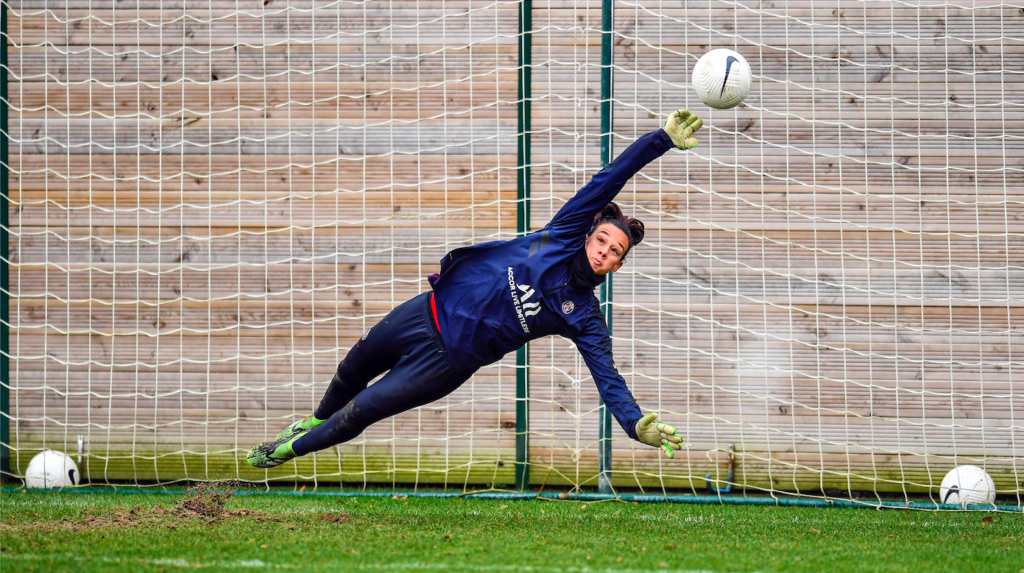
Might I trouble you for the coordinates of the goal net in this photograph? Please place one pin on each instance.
(211, 202)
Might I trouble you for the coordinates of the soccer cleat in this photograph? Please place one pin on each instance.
(272, 454)
(296, 428)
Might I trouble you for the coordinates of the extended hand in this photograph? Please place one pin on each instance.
(657, 434)
(680, 125)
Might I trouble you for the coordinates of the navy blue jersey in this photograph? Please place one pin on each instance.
(494, 297)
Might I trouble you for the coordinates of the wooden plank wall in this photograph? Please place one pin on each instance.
(834, 277)
(831, 280)
(209, 205)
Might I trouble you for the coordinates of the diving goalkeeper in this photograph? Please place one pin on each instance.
(489, 300)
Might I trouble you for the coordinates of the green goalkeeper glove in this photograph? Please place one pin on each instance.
(680, 126)
(658, 435)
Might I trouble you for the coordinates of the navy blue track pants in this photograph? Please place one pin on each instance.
(406, 345)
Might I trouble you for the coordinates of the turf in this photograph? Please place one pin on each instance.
(148, 532)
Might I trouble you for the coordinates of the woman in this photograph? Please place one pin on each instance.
(489, 300)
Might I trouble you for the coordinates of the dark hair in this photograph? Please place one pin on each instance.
(632, 228)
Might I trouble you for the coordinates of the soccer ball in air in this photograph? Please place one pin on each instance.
(965, 485)
(721, 78)
(52, 469)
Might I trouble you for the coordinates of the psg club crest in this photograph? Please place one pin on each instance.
(568, 307)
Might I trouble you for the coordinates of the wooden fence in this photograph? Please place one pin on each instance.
(209, 206)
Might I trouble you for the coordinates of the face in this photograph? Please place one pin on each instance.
(605, 248)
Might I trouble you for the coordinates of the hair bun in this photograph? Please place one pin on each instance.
(636, 231)
(610, 211)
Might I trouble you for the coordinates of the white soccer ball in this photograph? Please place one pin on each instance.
(52, 469)
(721, 78)
(965, 485)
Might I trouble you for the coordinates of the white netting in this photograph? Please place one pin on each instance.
(211, 202)
(834, 279)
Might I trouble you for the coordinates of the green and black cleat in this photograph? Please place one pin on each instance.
(272, 454)
(296, 428)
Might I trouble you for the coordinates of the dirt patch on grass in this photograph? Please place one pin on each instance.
(203, 503)
(334, 517)
(119, 517)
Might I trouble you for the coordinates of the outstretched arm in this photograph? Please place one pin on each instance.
(575, 217)
(595, 346)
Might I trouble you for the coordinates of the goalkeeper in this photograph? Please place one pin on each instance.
(489, 300)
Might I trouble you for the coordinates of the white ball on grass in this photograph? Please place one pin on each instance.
(965, 485)
(51, 468)
(721, 78)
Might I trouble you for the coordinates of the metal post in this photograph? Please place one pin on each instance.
(522, 228)
(604, 448)
(5, 282)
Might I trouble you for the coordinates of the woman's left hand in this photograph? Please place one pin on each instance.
(659, 435)
(680, 126)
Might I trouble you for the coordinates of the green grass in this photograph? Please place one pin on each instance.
(149, 532)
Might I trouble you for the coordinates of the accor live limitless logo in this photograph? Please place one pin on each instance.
(523, 308)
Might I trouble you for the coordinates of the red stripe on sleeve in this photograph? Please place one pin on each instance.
(433, 310)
